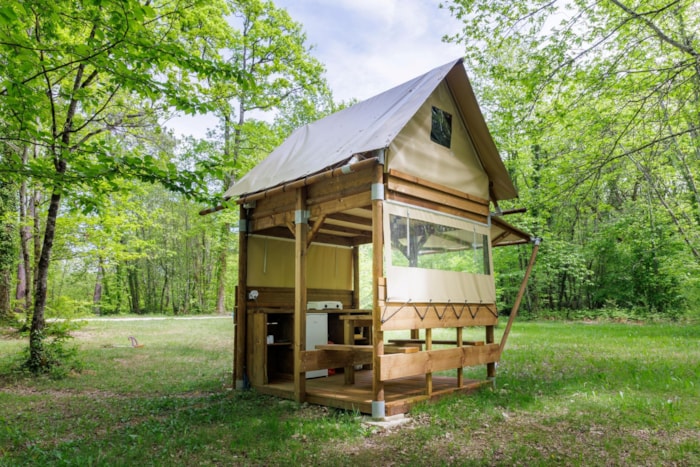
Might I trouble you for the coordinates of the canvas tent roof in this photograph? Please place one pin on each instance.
(371, 125)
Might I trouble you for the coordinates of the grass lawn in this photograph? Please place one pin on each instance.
(567, 394)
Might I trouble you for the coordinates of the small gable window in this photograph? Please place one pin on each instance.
(441, 131)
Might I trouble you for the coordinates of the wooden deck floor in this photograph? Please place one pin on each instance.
(400, 394)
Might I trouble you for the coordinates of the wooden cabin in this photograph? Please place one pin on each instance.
(414, 174)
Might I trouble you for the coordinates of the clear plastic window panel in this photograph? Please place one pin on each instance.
(421, 244)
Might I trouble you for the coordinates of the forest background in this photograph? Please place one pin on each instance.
(594, 106)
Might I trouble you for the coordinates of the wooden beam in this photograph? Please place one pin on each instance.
(310, 180)
(491, 366)
(499, 237)
(521, 292)
(437, 315)
(341, 204)
(356, 276)
(339, 229)
(350, 219)
(439, 197)
(377, 294)
(340, 186)
(437, 187)
(239, 349)
(321, 359)
(460, 370)
(300, 252)
(351, 189)
(409, 199)
(272, 220)
(429, 375)
(282, 298)
(314, 230)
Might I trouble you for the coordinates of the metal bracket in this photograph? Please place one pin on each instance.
(377, 192)
(301, 216)
(250, 204)
(243, 225)
(381, 157)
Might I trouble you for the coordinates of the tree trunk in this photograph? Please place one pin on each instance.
(223, 251)
(8, 256)
(221, 277)
(97, 292)
(132, 278)
(38, 360)
(5, 294)
(24, 270)
(21, 289)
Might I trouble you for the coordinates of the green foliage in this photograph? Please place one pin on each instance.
(594, 107)
(8, 206)
(110, 67)
(8, 246)
(54, 353)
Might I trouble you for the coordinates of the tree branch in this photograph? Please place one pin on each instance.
(659, 33)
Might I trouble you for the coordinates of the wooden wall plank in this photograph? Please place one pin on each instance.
(398, 365)
(436, 186)
(283, 297)
(339, 204)
(322, 359)
(430, 194)
(439, 315)
(340, 186)
(402, 198)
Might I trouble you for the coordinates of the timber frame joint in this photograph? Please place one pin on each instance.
(302, 216)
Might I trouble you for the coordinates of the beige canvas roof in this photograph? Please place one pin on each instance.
(372, 125)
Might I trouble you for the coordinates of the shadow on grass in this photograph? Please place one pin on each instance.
(241, 427)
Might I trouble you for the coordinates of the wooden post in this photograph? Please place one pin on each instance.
(356, 277)
(460, 370)
(349, 338)
(490, 367)
(301, 231)
(378, 407)
(428, 347)
(521, 292)
(239, 343)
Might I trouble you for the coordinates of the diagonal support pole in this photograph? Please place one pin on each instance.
(521, 292)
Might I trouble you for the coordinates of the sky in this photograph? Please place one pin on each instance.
(367, 46)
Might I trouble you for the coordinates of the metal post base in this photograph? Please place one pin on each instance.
(378, 410)
(240, 384)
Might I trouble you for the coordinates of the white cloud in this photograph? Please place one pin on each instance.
(369, 46)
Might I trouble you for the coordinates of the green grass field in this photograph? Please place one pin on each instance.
(567, 394)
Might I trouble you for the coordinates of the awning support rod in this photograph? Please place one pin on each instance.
(521, 292)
